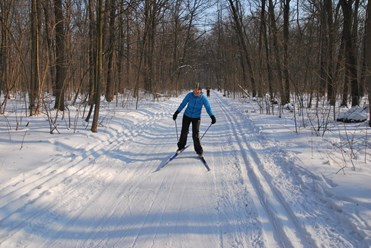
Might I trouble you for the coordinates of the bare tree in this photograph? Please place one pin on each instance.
(368, 56)
(5, 13)
(60, 51)
(331, 90)
(264, 51)
(99, 66)
(286, 26)
(174, 76)
(235, 7)
(49, 31)
(91, 57)
(111, 52)
(276, 47)
(35, 62)
(350, 51)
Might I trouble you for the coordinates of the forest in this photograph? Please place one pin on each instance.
(308, 51)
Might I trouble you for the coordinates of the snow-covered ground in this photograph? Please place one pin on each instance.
(269, 186)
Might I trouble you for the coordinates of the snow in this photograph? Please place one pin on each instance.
(270, 184)
(355, 114)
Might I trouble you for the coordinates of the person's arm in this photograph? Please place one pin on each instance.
(183, 103)
(207, 106)
(181, 106)
(208, 109)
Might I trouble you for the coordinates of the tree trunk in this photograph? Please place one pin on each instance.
(99, 67)
(368, 57)
(91, 55)
(49, 43)
(120, 50)
(35, 46)
(60, 56)
(265, 53)
(237, 18)
(350, 57)
(110, 70)
(175, 62)
(323, 51)
(152, 11)
(331, 90)
(286, 24)
(276, 48)
(4, 54)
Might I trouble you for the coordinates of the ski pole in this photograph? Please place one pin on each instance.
(205, 132)
(176, 128)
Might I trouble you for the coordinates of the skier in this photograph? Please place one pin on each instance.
(194, 101)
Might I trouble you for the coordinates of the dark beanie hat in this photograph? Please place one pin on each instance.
(198, 86)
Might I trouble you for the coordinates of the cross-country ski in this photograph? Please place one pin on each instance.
(175, 155)
(171, 158)
(203, 160)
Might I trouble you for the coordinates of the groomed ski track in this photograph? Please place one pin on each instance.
(107, 193)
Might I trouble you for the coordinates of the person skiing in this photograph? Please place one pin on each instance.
(194, 101)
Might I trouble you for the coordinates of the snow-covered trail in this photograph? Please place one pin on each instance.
(106, 192)
(290, 211)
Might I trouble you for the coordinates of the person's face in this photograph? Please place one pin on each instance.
(197, 91)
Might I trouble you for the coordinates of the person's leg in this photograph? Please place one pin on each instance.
(184, 133)
(196, 136)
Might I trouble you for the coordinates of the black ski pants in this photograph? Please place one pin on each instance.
(195, 133)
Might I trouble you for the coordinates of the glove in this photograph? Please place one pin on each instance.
(213, 119)
(175, 115)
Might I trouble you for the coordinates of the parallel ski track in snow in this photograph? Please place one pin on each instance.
(25, 200)
(273, 208)
(116, 201)
(29, 210)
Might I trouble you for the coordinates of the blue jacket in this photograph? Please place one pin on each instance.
(194, 105)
